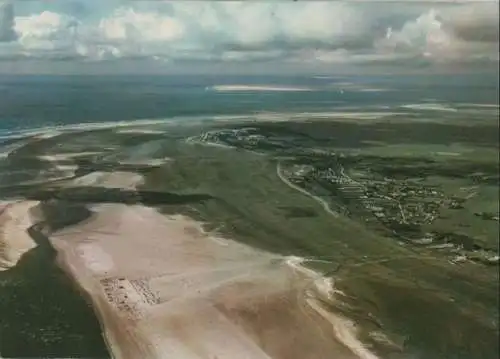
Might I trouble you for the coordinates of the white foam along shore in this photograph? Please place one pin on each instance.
(430, 107)
(178, 293)
(24, 139)
(258, 88)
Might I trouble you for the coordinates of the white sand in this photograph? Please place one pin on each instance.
(66, 156)
(15, 220)
(258, 88)
(164, 288)
(94, 258)
(117, 179)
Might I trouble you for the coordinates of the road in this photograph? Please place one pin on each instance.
(320, 200)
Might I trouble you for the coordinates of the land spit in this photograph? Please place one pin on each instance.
(164, 288)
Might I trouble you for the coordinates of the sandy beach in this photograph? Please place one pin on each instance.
(15, 219)
(162, 287)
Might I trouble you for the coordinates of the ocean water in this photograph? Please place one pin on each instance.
(40, 101)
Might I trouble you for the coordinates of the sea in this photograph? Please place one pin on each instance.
(34, 101)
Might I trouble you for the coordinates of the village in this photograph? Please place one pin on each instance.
(401, 207)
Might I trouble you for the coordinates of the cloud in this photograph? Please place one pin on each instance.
(7, 22)
(458, 34)
(131, 26)
(475, 23)
(326, 32)
(45, 31)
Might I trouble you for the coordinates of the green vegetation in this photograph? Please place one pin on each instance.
(43, 315)
(414, 291)
(318, 190)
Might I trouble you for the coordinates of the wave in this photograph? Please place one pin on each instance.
(430, 107)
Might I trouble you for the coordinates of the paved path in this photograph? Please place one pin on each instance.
(320, 200)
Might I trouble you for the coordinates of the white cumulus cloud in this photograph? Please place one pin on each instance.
(129, 25)
(47, 30)
(249, 31)
(461, 33)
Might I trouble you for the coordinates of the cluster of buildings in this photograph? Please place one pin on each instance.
(128, 296)
(395, 203)
(404, 203)
(233, 136)
(398, 207)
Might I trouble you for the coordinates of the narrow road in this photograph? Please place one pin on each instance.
(321, 201)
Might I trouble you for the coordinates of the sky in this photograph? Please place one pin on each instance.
(107, 36)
